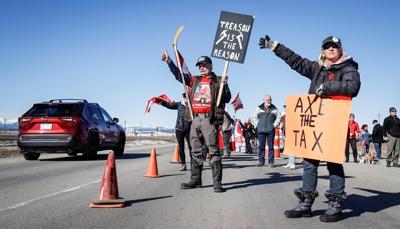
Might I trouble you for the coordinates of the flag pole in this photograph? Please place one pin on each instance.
(221, 86)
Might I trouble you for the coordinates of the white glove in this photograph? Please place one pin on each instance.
(320, 90)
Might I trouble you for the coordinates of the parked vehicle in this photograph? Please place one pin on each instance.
(69, 126)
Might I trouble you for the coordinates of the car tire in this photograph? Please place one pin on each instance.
(31, 156)
(72, 153)
(120, 147)
(91, 147)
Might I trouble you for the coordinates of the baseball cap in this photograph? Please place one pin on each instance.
(332, 39)
(204, 60)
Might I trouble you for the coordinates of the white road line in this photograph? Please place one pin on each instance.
(49, 195)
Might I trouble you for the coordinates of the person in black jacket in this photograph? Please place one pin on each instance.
(207, 116)
(391, 132)
(377, 138)
(182, 127)
(334, 74)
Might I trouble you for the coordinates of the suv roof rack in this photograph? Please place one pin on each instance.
(62, 100)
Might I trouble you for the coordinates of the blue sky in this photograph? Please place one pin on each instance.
(109, 52)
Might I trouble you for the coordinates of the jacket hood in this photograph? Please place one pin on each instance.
(261, 106)
(345, 61)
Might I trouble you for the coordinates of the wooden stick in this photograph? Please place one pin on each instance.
(221, 86)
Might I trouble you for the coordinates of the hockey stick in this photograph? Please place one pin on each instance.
(175, 45)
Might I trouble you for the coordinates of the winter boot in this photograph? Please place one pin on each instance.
(195, 177)
(303, 209)
(334, 211)
(216, 169)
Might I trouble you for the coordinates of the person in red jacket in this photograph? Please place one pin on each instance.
(353, 137)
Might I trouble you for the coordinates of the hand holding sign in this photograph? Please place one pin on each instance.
(316, 128)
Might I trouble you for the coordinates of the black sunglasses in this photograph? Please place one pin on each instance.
(328, 45)
(393, 111)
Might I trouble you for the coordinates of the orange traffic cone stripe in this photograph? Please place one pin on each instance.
(175, 157)
(152, 170)
(109, 196)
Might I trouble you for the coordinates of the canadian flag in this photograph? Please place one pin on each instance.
(237, 103)
(154, 100)
(238, 133)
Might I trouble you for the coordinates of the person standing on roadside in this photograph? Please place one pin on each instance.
(182, 127)
(268, 118)
(207, 117)
(353, 137)
(377, 138)
(334, 74)
(391, 133)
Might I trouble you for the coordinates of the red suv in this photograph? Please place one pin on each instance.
(69, 126)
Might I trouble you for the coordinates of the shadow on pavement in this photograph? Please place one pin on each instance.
(130, 202)
(171, 175)
(100, 157)
(274, 178)
(358, 204)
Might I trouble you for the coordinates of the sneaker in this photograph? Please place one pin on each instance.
(286, 166)
(183, 168)
(292, 166)
(260, 164)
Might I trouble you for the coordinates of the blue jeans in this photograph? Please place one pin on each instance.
(378, 147)
(262, 139)
(310, 176)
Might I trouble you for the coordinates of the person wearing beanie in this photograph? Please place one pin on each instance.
(333, 74)
(391, 133)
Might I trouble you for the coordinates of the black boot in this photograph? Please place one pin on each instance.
(334, 211)
(387, 163)
(216, 169)
(303, 209)
(195, 178)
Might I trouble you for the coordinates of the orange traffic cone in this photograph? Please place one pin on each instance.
(109, 197)
(152, 170)
(277, 153)
(175, 157)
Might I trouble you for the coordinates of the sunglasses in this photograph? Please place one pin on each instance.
(393, 111)
(328, 45)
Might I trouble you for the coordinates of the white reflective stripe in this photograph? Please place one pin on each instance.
(48, 195)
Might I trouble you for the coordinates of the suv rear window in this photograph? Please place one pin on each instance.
(54, 110)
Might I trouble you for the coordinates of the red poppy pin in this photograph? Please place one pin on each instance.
(331, 75)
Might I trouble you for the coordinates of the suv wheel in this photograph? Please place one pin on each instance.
(120, 147)
(91, 148)
(31, 156)
(72, 153)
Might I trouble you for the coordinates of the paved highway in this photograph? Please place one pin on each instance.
(55, 192)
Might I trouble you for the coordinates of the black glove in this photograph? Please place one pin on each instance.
(266, 42)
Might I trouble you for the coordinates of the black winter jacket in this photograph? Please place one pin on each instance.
(340, 79)
(182, 123)
(391, 125)
(377, 134)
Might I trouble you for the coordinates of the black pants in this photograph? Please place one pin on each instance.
(353, 144)
(248, 144)
(180, 137)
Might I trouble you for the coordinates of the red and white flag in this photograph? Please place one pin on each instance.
(154, 100)
(182, 62)
(237, 103)
(238, 133)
